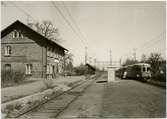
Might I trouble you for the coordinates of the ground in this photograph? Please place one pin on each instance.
(15, 92)
(102, 99)
(130, 98)
(88, 104)
(119, 99)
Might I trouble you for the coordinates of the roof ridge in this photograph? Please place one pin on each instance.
(18, 21)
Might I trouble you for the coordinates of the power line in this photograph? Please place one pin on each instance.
(149, 43)
(110, 58)
(86, 55)
(60, 12)
(152, 43)
(23, 11)
(73, 20)
(152, 40)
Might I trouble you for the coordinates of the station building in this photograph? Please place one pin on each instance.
(25, 50)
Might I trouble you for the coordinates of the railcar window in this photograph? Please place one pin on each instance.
(144, 69)
(148, 68)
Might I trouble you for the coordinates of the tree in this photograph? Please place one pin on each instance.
(155, 60)
(80, 70)
(158, 67)
(129, 62)
(69, 67)
(47, 29)
(143, 58)
(68, 57)
(68, 61)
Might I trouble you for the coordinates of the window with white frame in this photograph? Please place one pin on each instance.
(7, 67)
(17, 34)
(20, 34)
(8, 50)
(28, 69)
(49, 52)
(49, 69)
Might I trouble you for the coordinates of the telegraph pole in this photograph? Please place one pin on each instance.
(90, 60)
(120, 62)
(28, 19)
(110, 58)
(134, 54)
(95, 62)
(86, 55)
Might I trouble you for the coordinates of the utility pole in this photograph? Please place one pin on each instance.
(95, 62)
(120, 62)
(90, 60)
(28, 19)
(110, 58)
(134, 54)
(86, 55)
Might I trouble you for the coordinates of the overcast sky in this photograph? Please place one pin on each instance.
(119, 26)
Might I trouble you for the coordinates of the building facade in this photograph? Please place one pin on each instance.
(25, 50)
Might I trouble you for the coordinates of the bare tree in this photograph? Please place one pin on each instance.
(69, 57)
(47, 29)
(129, 62)
(69, 61)
(155, 60)
(143, 58)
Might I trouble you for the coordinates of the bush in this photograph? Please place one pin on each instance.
(48, 83)
(159, 77)
(8, 77)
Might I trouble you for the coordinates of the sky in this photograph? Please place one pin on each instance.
(122, 27)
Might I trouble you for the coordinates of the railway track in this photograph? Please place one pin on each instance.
(56, 105)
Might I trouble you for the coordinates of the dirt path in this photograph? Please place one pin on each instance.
(87, 105)
(133, 99)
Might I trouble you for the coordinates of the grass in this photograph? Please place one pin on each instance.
(10, 84)
(11, 77)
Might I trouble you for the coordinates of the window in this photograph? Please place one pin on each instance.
(144, 69)
(49, 69)
(20, 35)
(28, 69)
(17, 34)
(8, 67)
(7, 50)
(49, 52)
(148, 68)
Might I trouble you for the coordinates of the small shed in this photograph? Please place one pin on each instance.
(90, 69)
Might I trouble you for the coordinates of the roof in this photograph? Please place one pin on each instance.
(90, 66)
(138, 64)
(17, 22)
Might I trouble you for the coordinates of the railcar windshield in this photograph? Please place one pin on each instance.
(148, 68)
(144, 69)
(136, 70)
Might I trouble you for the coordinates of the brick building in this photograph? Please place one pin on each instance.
(25, 50)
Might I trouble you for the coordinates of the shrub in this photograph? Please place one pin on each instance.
(8, 77)
(48, 83)
(159, 77)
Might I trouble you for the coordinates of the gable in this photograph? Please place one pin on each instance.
(28, 33)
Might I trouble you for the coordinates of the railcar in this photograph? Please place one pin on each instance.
(140, 71)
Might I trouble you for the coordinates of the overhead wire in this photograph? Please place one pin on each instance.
(73, 20)
(23, 11)
(66, 20)
(149, 43)
(152, 40)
